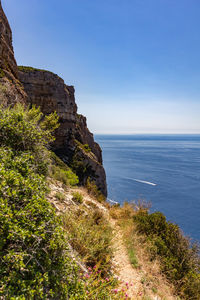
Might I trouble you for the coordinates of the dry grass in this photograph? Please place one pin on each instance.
(90, 235)
(153, 282)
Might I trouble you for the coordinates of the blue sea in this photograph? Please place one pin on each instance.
(161, 169)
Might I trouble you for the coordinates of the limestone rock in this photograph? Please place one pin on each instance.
(11, 90)
(74, 142)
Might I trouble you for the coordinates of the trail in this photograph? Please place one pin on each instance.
(128, 276)
(131, 279)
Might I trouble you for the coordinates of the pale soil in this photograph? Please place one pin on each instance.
(135, 278)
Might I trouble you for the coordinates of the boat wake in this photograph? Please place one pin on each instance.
(143, 181)
(112, 201)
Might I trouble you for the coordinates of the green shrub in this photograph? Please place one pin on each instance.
(61, 172)
(94, 191)
(180, 260)
(86, 148)
(66, 176)
(77, 197)
(34, 259)
(2, 73)
(60, 196)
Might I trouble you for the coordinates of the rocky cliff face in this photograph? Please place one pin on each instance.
(74, 142)
(11, 90)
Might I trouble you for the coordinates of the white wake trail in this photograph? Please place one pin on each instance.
(143, 181)
(112, 201)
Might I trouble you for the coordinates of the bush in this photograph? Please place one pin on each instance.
(34, 259)
(22, 129)
(67, 177)
(94, 191)
(61, 172)
(180, 260)
(77, 197)
(60, 196)
(86, 148)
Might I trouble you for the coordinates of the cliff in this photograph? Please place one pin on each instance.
(74, 142)
(11, 90)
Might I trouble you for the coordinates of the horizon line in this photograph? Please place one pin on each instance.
(146, 133)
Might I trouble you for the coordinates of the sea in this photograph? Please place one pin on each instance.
(163, 170)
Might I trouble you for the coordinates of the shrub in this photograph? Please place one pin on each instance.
(77, 197)
(34, 259)
(90, 235)
(94, 191)
(180, 260)
(67, 177)
(61, 172)
(86, 148)
(22, 129)
(2, 73)
(60, 196)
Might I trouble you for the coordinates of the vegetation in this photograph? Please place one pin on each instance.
(84, 147)
(152, 240)
(61, 172)
(34, 261)
(35, 257)
(31, 69)
(60, 196)
(79, 167)
(180, 260)
(2, 73)
(90, 235)
(66, 176)
(94, 191)
(77, 197)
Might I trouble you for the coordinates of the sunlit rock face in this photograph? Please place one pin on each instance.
(49, 91)
(11, 90)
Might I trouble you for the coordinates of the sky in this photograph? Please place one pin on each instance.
(135, 64)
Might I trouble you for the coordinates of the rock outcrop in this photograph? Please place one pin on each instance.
(74, 142)
(11, 90)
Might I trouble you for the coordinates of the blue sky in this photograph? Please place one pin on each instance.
(135, 64)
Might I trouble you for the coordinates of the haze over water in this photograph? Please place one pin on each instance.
(162, 169)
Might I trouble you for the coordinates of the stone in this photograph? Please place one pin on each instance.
(11, 90)
(74, 143)
(73, 139)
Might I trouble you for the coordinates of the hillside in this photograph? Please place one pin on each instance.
(59, 238)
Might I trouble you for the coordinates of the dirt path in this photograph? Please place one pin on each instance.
(131, 279)
(128, 276)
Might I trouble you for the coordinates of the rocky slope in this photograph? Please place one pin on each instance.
(74, 142)
(11, 90)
